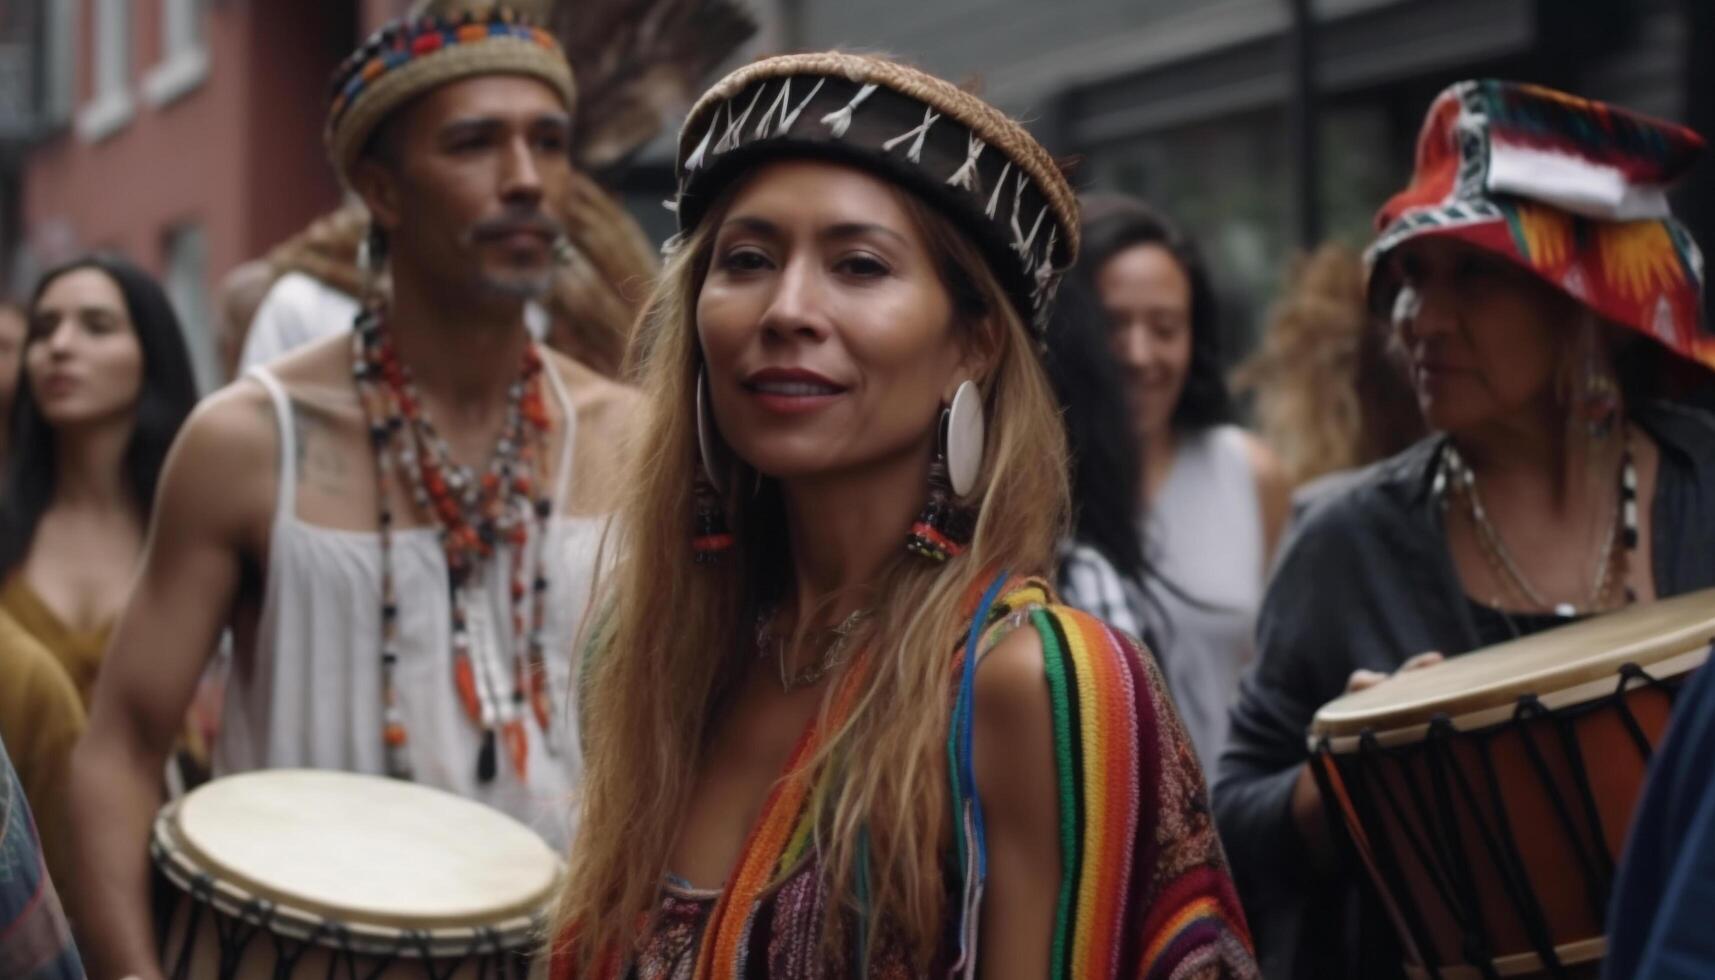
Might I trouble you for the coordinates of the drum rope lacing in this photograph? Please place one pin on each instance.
(234, 934)
(1438, 846)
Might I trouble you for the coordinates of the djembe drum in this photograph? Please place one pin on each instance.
(1489, 796)
(299, 873)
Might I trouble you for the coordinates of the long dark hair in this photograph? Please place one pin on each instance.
(1114, 223)
(1107, 470)
(165, 397)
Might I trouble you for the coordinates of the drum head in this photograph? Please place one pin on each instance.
(1569, 665)
(363, 849)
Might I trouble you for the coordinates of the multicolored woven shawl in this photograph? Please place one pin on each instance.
(1145, 892)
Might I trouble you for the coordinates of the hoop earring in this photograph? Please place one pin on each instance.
(372, 259)
(1598, 387)
(944, 528)
(708, 437)
(710, 536)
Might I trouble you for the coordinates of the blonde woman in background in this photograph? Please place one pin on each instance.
(1329, 396)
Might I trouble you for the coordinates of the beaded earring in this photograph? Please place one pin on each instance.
(944, 527)
(710, 537)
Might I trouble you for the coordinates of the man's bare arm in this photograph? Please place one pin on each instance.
(215, 499)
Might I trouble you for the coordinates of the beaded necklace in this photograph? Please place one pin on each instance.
(1455, 479)
(474, 515)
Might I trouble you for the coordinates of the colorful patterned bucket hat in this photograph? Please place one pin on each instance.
(408, 57)
(1573, 191)
(953, 149)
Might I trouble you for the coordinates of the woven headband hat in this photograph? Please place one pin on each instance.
(961, 154)
(1570, 190)
(411, 56)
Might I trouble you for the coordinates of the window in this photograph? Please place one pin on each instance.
(184, 51)
(59, 67)
(17, 93)
(183, 31)
(188, 288)
(109, 107)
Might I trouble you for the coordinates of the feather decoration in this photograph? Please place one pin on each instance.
(640, 62)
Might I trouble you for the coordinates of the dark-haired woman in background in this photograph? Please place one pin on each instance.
(1215, 498)
(106, 384)
(1103, 565)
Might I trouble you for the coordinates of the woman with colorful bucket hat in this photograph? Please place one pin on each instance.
(1547, 299)
(835, 725)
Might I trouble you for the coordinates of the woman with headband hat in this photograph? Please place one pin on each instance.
(834, 724)
(1543, 293)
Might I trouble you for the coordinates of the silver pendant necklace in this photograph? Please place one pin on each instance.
(833, 655)
(1455, 477)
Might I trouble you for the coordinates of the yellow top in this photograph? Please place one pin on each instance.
(41, 719)
(78, 651)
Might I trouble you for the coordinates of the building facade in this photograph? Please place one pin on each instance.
(185, 134)
(1194, 104)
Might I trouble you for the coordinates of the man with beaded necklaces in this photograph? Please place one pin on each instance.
(399, 523)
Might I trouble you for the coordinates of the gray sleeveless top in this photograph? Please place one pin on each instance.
(1205, 536)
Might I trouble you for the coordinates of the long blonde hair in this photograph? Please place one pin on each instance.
(673, 638)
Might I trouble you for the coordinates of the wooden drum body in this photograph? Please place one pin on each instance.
(1489, 797)
(298, 873)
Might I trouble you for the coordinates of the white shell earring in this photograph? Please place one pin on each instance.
(965, 429)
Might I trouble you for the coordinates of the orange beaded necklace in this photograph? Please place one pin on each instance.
(476, 516)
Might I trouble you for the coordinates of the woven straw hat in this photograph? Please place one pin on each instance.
(411, 56)
(958, 152)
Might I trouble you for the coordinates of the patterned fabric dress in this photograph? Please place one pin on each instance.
(35, 942)
(1145, 892)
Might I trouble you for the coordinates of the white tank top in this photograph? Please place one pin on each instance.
(1205, 536)
(310, 695)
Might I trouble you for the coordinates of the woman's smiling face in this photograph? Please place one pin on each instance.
(827, 331)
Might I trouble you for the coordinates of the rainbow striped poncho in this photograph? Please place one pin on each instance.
(1145, 891)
